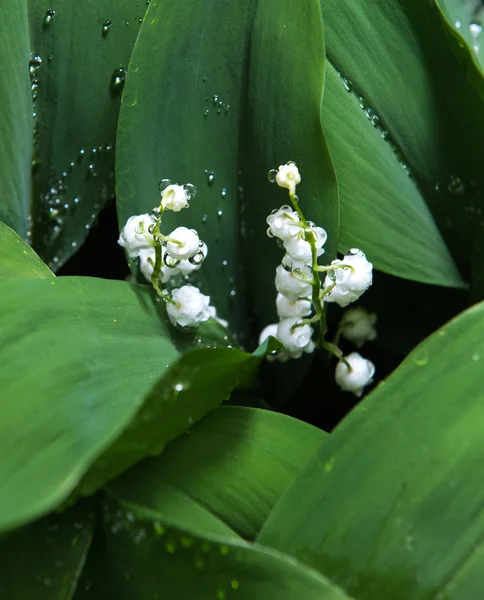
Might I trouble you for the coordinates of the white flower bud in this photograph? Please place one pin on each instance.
(175, 197)
(358, 326)
(354, 379)
(135, 234)
(185, 244)
(291, 285)
(191, 307)
(283, 223)
(187, 266)
(288, 176)
(147, 258)
(351, 282)
(296, 340)
(286, 308)
(299, 250)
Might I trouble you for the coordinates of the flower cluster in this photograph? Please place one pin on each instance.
(301, 297)
(163, 257)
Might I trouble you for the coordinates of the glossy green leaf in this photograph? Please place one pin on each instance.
(397, 56)
(465, 18)
(18, 259)
(382, 209)
(392, 505)
(142, 559)
(44, 560)
(219, 112)
(196, 384)
(77, 356)
(15, 117)
(234, 465)
(77, 89)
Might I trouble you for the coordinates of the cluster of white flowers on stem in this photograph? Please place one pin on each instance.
(163, 257)
(301, 297)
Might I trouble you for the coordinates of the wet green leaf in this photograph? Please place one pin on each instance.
(391, 506)
(18, 259)
(233, 466)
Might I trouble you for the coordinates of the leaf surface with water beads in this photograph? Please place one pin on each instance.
(434, 117)
(15, 117)
(233, 466)
(240, 101)
(17, 258)
(390, 506)
(44, 560)
(143, 558)
(82, 51)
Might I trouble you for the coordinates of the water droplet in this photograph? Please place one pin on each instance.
(348, 85)
(458, 24)
(224, 193)
(224, 263)
(204, 218)
(272, 175)
(106, 26)
(118, 79)
(178, 387)
(206, 113)
(475, 357)
(49, 17)
(215, 100)
(233, 293)
(204, 79)
(210, 178)
(456, 186)
(362, 102)
(234, 584)
(35, 63)
(220, 213)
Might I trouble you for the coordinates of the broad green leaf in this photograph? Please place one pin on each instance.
(392, 506)
(143, 559)
(234, 465)
(465, 17)
(15, 117)
(77, 356)
(431, 111)
(44, 560)
(82, 46)
(196, 384)
(382, 209)
(18, 259)
(218, 106)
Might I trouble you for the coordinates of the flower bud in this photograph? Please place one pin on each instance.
(283, 223)
(352, 281)
(191, 307)
(354, 379)
(188, 266)
(299, 250)
(135, 235)
(296, 340)
(290, 283)
(286, 308)
(185, 243)
(175, 197)
(288, 176)
(358, 326)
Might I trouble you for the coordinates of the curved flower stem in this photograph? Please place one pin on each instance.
(335, 351)
(321, 269)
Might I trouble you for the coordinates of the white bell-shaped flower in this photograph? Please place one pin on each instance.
(299, 250)
(357, 325)
(292, 284)
(185, 243)
(176, 197)
(296, 340)
(147, 258)
(288, 176)
(191, 307)
(287, 308)
(352, 281)
(354, 379)
(135, 235)
(283, 223)
(188, 266)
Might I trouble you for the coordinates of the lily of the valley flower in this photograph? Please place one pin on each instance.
(287, 308)
(176, 197)
(283, 223)
(184, 243)
(135, 235)
(358, 326)
(293, 284)
(358, 375)
(288, 176)
(295, 336)
(353, 277)
(189, 307)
